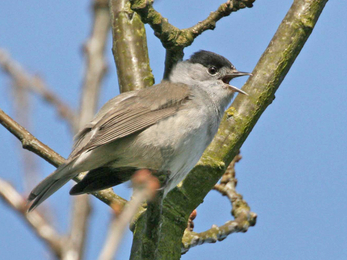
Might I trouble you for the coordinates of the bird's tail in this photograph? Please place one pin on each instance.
(50, 184)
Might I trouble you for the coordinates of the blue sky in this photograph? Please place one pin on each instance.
(293, 171)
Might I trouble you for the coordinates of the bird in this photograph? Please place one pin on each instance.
(164, 128)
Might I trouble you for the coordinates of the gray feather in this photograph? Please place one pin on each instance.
(120, 117)
(50, 184)
(164, 128)
(135, 113)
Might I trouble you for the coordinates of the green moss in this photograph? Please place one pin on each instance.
(230, 112)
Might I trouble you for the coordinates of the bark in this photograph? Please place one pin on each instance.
(129, 47)
(168, 219)
(175, 40)
(237, 123)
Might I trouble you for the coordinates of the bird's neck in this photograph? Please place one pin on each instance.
(219, 95)
(180, 74)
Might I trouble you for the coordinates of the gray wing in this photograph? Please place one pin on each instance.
(131, 112)
(85, 134)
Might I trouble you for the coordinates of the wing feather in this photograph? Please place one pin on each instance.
(132, 114)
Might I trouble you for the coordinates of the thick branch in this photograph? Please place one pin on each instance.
(244, 112)
(152, 221)
(129, 47)
(238, 122)
(36, 85)
(175, 40)
(148, 236)
(42, 229)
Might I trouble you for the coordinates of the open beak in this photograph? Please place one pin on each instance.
(234, 74)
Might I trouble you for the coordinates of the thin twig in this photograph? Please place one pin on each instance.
(96, 65)
(29, 162)
(118, 224)
(244, 218)
(74, 245)
(36, 85)
(96, 68)
(223, 10)
(29, 142)
(42, 228)
(144, 188)
(21, 106)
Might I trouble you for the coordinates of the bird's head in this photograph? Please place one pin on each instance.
(206, 66)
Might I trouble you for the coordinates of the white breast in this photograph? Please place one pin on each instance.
(180, 140)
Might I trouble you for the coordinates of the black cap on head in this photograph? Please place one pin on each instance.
(208, 58)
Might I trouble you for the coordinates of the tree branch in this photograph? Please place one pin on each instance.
(22, 109)
(129, 47)
(147, 248)
(96, 67)
(75, 242)
(41, 228)
(245, 111)
(144, 189)
(175, 40)
(148, 227)
(36, 85)
(30, 143)
(244, 218)
(238, 122)
(223, 10)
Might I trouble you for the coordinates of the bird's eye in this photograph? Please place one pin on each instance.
(212, 70)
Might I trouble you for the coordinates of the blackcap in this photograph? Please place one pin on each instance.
(163, 128)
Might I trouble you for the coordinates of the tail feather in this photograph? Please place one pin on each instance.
(102, 178)
(50, 185)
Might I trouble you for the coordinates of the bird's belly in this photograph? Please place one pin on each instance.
(186, 157)
(174, 144)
